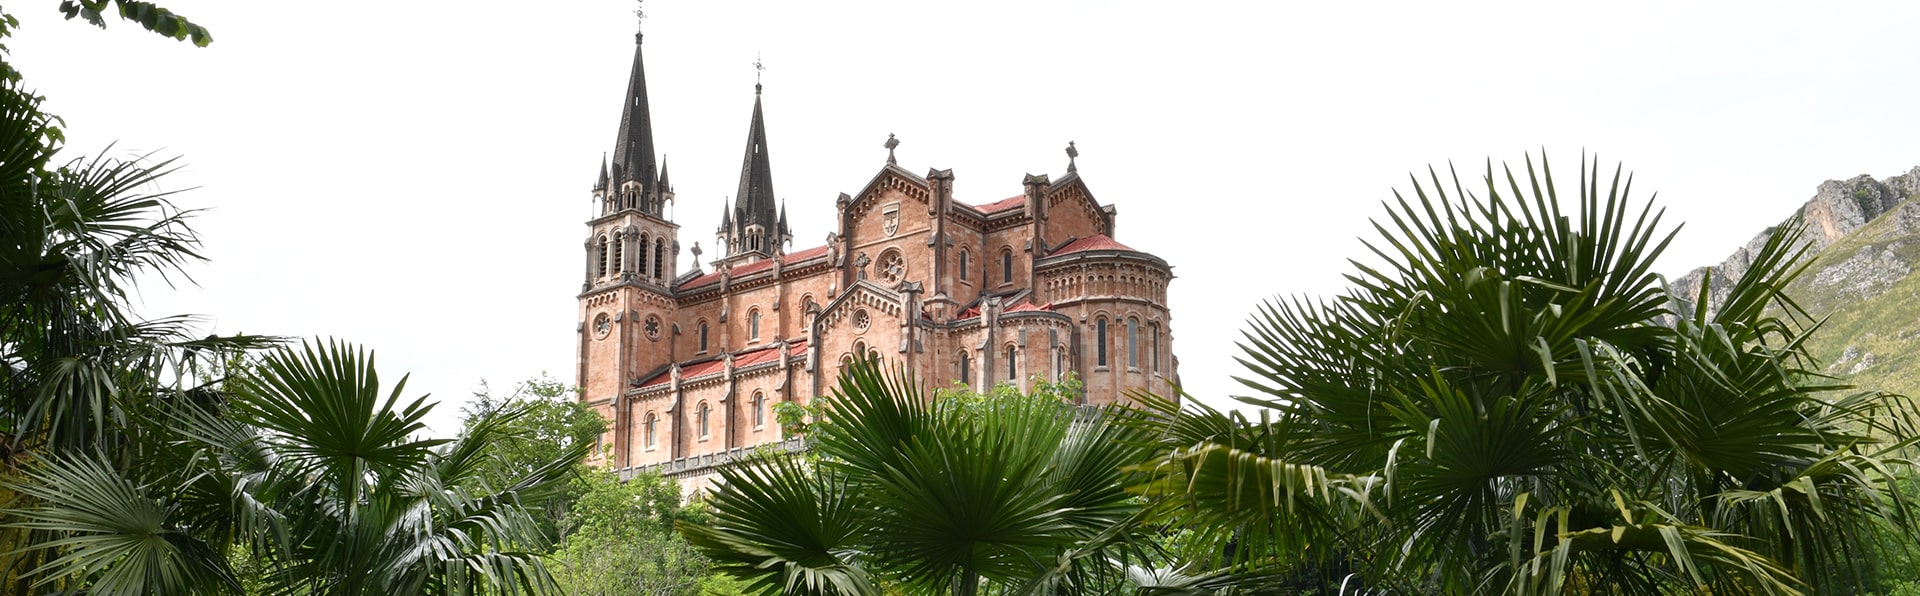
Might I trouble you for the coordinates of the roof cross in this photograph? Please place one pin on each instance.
(891, 143)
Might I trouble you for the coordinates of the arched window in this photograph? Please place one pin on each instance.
(759, 410)
(619, 253)
(653, 429)
(642, 268)
(1100, 341)
(966, 369)
(703, 336)
(1133, 349)
(704, 410)
(659, 257)
(1154, 356)
(1012, 368)
(965, 262)
(603, 256)
(753, 324)
(1006, 265)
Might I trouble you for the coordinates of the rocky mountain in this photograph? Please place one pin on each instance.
(1864, 235)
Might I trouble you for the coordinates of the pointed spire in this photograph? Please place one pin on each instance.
(664, 186)
(783, 220)
(726, 220)
(601, 182)
(633, 149)
(754, 204)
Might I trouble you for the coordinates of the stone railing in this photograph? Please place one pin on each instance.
(701, 465)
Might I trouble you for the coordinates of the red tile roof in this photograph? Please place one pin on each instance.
(755, 267)
(1000, 205)
(1027, 306)
(1094, 242)
(1023, 306)
(715, 365)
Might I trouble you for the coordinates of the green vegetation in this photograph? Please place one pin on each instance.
(1885, 325)
(141, 458)
(1494, 408)
(964, 494)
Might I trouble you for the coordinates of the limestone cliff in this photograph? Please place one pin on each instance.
(1837, 209)
(1863, 236)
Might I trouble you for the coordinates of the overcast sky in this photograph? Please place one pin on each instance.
(414, 176)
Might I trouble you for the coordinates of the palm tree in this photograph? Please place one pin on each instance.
(309, 470)
(1509, 400)
(80, 375)
(951, 495)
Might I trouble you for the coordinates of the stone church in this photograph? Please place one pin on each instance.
(687, 362)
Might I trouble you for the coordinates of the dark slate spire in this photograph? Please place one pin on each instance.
(633, 150)
(754, 204)
(664, 186)
(601, 182)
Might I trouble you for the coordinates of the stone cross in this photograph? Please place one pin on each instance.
(1072, 153)
(891, 143)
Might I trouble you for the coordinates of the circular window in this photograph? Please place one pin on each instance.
(653, 327)
(893, 267)
(862, 320)
(602, 325)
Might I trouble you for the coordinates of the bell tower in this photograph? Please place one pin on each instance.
(627, 311)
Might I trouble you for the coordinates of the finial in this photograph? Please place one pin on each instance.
(891, 143)
(1072, 153)
(757, 69)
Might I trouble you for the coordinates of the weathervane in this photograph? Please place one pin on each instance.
(757, 69)
(891, 143)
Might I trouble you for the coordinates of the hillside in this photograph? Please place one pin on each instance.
(1865, 238)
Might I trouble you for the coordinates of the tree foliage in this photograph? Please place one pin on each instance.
(312, 472)
(962, 494)
(151, 16)
(620, 540)
(1506, 401)
(547, 424)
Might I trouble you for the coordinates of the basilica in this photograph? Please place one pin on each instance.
(688, 360)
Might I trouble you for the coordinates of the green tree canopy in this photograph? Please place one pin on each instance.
(962, 494)
(1506, 401)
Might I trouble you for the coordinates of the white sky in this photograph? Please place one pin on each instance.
(414, 176)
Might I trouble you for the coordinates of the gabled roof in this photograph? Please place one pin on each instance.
(693, 369)
(998, 206)
(754, 267)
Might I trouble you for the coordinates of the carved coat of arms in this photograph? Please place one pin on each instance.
(890, 220)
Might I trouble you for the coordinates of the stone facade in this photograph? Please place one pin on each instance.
(688, 364)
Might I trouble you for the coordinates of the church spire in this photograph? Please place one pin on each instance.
(633, 150)
(756, 224)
